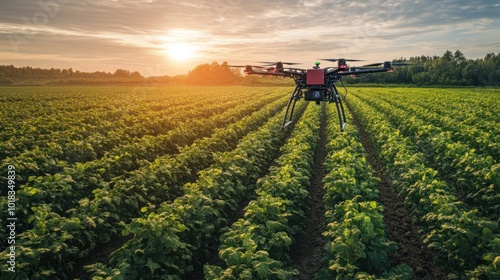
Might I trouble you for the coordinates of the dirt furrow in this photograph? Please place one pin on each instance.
(307, 253)
(400, 228)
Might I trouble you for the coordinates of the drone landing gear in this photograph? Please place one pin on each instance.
(332, 95)
(293, 99)
(340, 107)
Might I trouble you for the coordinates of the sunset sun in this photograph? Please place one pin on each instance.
(180, 51)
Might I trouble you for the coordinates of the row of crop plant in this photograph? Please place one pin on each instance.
(258, 245)
(476, 175)
(56, 242)
(34, 123)
(42, 113)
(465, 243)
(484, 142)
(52, 157)
(356, 243)
(64, 190)
(465, 105)
(167, 242)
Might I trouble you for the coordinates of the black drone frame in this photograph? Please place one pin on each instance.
(315, 94)
(319, 84)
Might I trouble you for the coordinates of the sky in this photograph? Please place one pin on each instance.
(172, 37)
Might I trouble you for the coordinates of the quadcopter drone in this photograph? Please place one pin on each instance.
(318, 84)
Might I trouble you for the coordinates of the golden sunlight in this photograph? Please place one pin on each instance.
(180, 51)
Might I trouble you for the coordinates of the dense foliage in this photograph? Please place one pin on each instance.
(467, 242)
(356, 243)
(167, 241)
(258, 245)
(15, 75)
(97, 207)
(187, 173)
(214, 73)
(448, 69)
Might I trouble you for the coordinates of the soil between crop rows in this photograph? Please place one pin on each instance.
(400, 227)
(307, 253)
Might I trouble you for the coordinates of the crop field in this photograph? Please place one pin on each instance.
(185, 182)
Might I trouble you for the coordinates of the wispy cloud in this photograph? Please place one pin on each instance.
(110, 34)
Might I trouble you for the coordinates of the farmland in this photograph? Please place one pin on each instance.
(185, 182)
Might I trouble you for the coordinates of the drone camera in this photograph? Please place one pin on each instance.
(314, 95)
(315, 77)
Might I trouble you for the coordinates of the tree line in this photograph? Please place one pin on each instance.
(449, 69)
(29, 75)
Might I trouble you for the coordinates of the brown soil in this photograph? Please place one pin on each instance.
(211, 255)
(307, 253)
(400, 227)
(99, 254)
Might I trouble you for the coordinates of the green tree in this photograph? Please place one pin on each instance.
(213, 74)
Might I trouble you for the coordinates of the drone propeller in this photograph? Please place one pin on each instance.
(245, 66)
(297, 69)
(268, 63)
(401, 63)
(337, 59)
(394, 63)
(372, 65)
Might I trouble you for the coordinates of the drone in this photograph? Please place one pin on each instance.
(318, 84)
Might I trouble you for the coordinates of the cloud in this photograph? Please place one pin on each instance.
(236, 30)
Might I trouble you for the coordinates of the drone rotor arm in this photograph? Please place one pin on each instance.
(366, 71)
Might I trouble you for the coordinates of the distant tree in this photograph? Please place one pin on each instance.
(5, 80)
(471, 73)
(449, 69)
(452, 68)
(213, 74)
(121, 73)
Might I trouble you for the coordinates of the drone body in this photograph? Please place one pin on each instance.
(318, 84)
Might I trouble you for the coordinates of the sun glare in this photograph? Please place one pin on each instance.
(180, 51)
